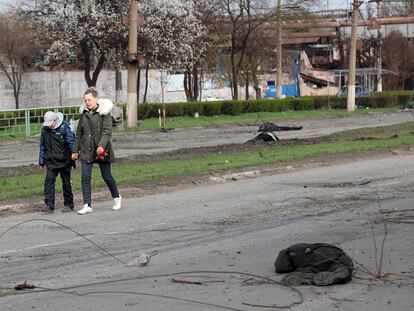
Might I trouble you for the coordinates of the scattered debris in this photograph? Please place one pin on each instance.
(254, 281)
(405, 216)
(235, 176)
(23, 286)
(143, 259)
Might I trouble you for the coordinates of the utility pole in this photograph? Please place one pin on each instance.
(279, 79)
(350, 104)
(379, 64)
(132, 100)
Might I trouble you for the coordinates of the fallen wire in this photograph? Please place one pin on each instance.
(163, 296)
(44, 289)
(187, 282)
(68, 228)
(64, 290)
(396, 211)
(69, 290)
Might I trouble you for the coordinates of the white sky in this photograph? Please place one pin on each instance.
(337, 4)
(5, 3)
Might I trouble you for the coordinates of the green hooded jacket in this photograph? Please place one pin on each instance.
(94, 130)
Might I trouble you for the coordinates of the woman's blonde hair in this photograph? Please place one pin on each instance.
(92, 91)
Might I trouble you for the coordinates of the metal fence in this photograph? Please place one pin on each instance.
(28, 122)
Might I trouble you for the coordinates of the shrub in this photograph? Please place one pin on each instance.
(404, 100)
(330, 102)
(300, 103)
(191, 108)
(148, 111)
(174, 109)
(280, 106)
(378, 100)
(211, 108)
(262, 105)
(232, 107)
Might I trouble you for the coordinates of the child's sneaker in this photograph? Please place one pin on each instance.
(117, 204)
(86, 209)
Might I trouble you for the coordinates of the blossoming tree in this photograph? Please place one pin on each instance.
(173, 38)
(92, 28)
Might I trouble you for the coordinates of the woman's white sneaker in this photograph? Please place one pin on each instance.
(86, 209)
(117, 204)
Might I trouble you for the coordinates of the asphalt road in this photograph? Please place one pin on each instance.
(232, 228)
(14, 154)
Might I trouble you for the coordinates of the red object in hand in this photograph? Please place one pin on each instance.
(103, 154)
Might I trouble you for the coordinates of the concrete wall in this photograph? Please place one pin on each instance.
(51, 89)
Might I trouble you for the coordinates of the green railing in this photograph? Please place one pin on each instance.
(28, 122)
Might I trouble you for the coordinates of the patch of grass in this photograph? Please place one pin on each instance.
(17, 132)
(250, 118)
(376, 132)
(129, 174)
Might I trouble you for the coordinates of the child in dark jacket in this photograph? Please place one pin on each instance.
(56, 144)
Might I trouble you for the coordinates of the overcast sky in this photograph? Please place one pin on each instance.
(337, 4)
(4, 3)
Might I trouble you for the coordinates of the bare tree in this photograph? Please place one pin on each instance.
(235, 21)
(367, 53)
(235, 24)
(398, 55)
(16, 51)
(173, 39)
(397, 8)
(257, 61)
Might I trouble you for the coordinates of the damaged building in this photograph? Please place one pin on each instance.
(314, 54)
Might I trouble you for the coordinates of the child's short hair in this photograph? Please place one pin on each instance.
(92, 91)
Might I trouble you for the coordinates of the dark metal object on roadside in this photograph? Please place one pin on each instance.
(266, 131)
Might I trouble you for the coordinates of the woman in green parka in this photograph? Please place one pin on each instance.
(93, 145)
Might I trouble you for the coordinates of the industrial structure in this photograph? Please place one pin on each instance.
(322, 45)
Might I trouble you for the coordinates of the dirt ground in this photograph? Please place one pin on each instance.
(314, 131)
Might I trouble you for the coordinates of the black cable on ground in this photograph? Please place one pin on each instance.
(68, 228)
(67, 290)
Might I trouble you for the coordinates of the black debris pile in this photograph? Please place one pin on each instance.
(267, 129)
(319, 264)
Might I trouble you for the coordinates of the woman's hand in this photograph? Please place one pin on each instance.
(100, 150)
(75, 156)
